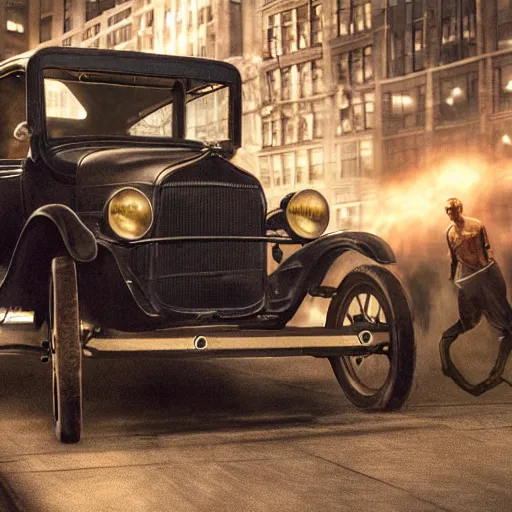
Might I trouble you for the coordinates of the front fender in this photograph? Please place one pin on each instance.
(52, 230)
(307, 267)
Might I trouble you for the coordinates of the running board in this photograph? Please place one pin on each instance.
(13, 319)
(194, 342)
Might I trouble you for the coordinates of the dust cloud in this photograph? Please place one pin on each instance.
(410, 216)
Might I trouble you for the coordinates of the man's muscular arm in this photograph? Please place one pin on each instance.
(454, 261)
(486, 245)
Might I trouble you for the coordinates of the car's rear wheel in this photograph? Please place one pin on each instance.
(372, 299)
(66, 351)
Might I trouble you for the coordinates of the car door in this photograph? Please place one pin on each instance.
(13, 153)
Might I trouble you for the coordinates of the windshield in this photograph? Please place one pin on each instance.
(79, 104)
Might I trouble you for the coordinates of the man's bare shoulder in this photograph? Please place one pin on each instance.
(472, 224)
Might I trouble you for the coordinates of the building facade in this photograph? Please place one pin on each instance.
(13, 27)
(338, 94)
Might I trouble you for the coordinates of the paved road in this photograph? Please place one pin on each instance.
(251, 435)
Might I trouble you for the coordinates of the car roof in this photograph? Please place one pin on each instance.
(131, 61)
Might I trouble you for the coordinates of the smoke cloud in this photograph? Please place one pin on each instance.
(410, 216)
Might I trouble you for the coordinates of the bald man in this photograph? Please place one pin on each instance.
(482, 291)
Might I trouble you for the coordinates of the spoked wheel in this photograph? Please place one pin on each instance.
(372, 299)
(66, 351)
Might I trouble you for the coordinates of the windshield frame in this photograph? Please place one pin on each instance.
(129, 63)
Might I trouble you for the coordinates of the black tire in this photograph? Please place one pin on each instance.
(66, 351)
(395, 316)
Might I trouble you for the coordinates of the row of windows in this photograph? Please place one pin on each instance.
(356, 112)
(91, 32)
(298, 122)
(120, 16)
(294, 82)
(355, 67)
(354, 17)
(355, 159)
(292, 168)
(294, 29)
(121, 35)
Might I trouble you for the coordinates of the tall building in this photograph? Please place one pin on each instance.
(449, 80)
(319, 106)
(13, 27)
(205, 28)
(338, 94)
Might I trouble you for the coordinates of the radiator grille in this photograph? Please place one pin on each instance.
(208, 275)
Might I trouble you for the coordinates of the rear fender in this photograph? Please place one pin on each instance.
(51, 231)
(306, 268)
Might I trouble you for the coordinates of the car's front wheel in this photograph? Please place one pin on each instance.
(66, 351)
(372, 299)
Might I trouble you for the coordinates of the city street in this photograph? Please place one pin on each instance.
(250, 435)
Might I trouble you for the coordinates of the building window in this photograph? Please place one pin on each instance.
(403, 109)
(305, 128)
(305, 80)
(288, 168)
(45, 29)
(119, 36)
(354, 16)
(316, 165)
(271, 132)
(403, 153)
(94, 8)
(356, 67)
(406, 38)
(356, 159)
(504, 23)
(458, 98)
(316, 23)
(317, 76)
(288, 125)
(286, 83)
(273, 79)
(277, 170)
(348, 217)
(348, 160)
(67, 16)
(15, 16)
(318, 119)
(356, 112)
(288, 31)
(120, 16)
(458, 30)
(303, 26)
(503, 88)
(91, 32)
(302, 167)
(264, 172)
(294, 29)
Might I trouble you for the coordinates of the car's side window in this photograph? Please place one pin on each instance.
(156, 124)
(12, 112)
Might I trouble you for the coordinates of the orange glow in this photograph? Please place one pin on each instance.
(419, 200)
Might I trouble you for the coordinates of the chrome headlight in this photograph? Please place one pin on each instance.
(129, 214)
(307, 214)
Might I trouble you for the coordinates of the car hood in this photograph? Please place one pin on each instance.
(101, 172)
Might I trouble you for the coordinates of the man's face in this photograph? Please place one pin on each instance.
(452, 211)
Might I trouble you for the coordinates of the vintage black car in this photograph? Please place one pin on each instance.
(127, 230)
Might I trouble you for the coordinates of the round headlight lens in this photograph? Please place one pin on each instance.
(307, 214)
(130, 214)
